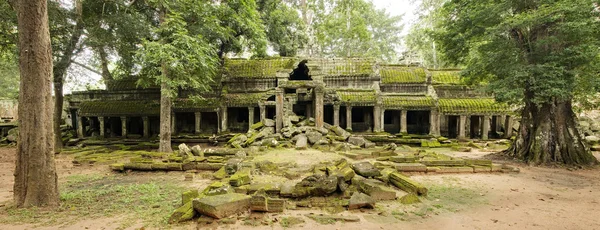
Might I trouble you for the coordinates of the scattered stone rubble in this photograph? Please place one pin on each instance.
(299, 134)
(339, 184)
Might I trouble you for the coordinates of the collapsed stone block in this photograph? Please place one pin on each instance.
(410, 198)
(188, 196)
(446, 169)
(184, 213)
(240, 178)
(411, 167)
(403, 159)
(360, 200)
(373, 188)
(301, 142)
(221, 206)
(407, 184)
(366, 169)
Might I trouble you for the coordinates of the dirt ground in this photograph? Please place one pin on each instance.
(535, 198)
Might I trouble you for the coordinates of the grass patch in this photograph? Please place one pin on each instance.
(101, 154)
(95, 196)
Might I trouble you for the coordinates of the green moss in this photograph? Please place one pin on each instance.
(472, 106)
(357, 96)
(402, 74)
(246, 99)
(258, 68)
(196, 102)
(140, 107)
(446, 77)
(410, 198)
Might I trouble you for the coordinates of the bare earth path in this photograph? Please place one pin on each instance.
(536, 198)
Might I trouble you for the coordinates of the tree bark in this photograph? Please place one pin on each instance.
(106, 75)
(35, 173)
(165, 105)
(60, 69)
(548, 134)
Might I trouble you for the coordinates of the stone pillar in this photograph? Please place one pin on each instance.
(101, 121)
(508, 124)
(279, 110)
(197, 123)
(224, 119)
(146, 127)
(462, 126)
(124, 126)
(173, 123)
(501, 121)
(486, 127)
(434, 123)
(336, 115)
(403, 123)
(377, 118)
(349, 117)
(79, 126)
(263, 112)
(250, 117)
(468, 127)
(382, 129)
(218, 112)
(319, 109)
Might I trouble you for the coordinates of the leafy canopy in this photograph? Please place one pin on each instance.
(539, 51)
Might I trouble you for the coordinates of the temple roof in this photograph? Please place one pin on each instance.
(402, 74)
(445, 77)
(256, 68)
(246, 99)
(357, 97)
(119, 108)
(472, 106)
(407, 102)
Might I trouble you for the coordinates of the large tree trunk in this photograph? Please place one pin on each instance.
(35, 173)
(548, 134)
(165, 117)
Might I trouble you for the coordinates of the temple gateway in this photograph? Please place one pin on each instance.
(359, 95)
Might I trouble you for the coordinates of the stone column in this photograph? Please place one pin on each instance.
(279, 110)
(508, 124)
(382, 129)
(124, 126)
(403, 123)
(250, 117)
(434, 123)
(79, 126)
(377, 118)
(197, 123)
(486, 127)
(101, 121)
(146, 126)
(468, 128)
(349, 117)
(218, 112)
(462, 126)
(263, 112)
(336, 115)
(224, 119)
(173, 123)
(319, 110)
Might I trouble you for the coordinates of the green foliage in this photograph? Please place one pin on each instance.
(354, 28)
(9, 76)
(284, 27)
(189, 60)
(539, 51)
(419, 40)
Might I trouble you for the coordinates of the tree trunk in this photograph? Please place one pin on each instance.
(106, 75)
(35, 173)
(165, 116)
(548, 134)
(60, 69)
(165, 105)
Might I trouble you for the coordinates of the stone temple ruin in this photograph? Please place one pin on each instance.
(358, 95)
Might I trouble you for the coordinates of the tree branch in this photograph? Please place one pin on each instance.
(86, 67)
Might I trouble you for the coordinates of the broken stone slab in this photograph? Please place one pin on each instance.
(340, 132)
(197, 151)
(233, 165)
(455, 162)
(411, 167)
(269, 122)
(479, 168)
(184, 151)
(360, 200)
(403, 159)
(358, 141)
(184, 213)
(459, 169)
(302, 142)
(217, 188)
(366, 169)
(221, 206)
(262, 203)
(315, 185)
(269, 188)
(384, 153)
(313, 136)
(433, 169)
(374, 188)
(287, 190)
(322, 218)
(385, 174)
(369, 144)
(410, 198)
(407, 184)
(270, 142)
(478, 162)
(240, 178)
(138, 166)
(257, 126)
(188, 196)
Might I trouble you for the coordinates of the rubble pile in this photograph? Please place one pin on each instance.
(299, 134)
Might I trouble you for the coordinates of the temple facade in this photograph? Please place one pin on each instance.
(360, 95)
